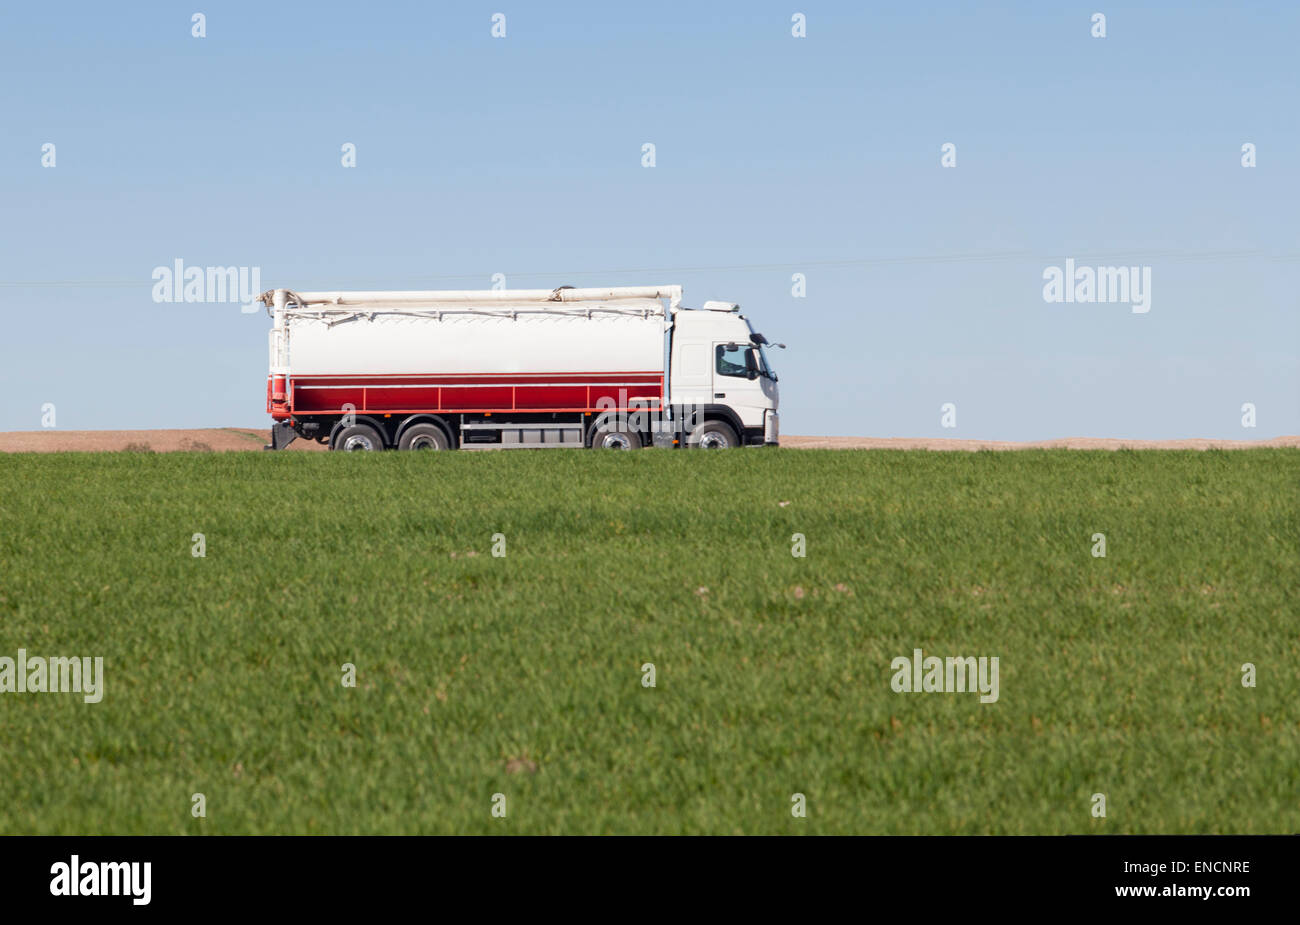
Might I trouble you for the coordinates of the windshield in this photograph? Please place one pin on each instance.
(766, 367)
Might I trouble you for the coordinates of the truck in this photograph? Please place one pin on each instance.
(599, 368)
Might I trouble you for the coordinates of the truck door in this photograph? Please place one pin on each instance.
(738, 382)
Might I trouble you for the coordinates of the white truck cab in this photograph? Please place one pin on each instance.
(720, 367)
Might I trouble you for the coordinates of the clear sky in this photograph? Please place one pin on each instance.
(775, 155)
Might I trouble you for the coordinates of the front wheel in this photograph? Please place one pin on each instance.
(712, 435)
(358, 438)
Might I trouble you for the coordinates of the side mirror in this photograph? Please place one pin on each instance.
(757, 338)
(751, 365)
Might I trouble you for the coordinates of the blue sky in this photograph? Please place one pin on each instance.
(774, 155)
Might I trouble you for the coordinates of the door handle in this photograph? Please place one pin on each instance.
(719, 394)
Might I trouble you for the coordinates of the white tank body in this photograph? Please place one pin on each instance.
(395, 340)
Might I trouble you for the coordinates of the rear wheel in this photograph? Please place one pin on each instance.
(613, 438)
(424, 437)
(712, 435)
(358, 438)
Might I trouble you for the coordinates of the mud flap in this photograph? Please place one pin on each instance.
(282, 434)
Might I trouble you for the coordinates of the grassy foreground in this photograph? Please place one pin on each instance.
(522, 675)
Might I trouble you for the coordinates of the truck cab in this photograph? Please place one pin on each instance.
(720, 374)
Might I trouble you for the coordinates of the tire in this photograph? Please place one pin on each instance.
(615, 438)
(712, 435)
(358, 438)
(424, 437)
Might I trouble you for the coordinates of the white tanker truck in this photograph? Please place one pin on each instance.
(618, 368)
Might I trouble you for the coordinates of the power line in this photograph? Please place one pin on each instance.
(919, 259)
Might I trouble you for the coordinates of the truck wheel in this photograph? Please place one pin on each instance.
(712, 435)
(613, 438)
(358, 438)
(423, 437)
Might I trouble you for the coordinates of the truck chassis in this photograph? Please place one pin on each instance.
(707, 427)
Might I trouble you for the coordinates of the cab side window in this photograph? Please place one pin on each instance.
(731, 360)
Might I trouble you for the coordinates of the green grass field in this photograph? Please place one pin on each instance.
(522, 675)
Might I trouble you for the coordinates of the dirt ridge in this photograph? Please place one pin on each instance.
(231, 439)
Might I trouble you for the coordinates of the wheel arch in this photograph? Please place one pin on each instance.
(722, 413)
